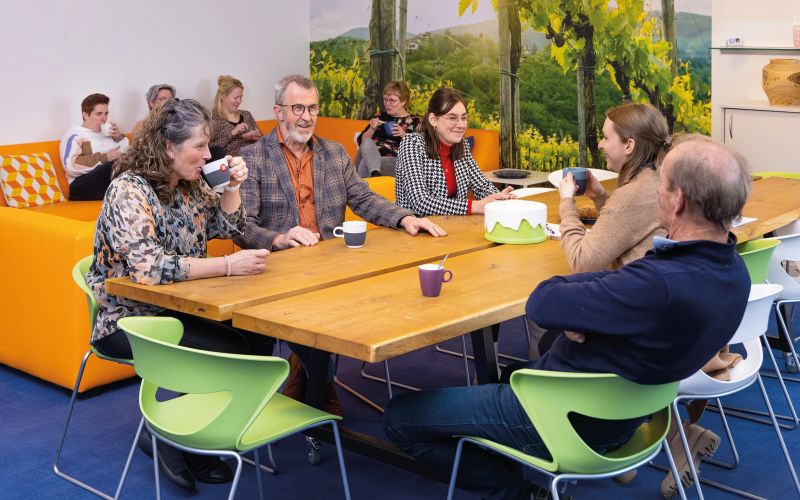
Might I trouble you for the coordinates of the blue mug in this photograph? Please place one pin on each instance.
(387, 127)
(581, 176)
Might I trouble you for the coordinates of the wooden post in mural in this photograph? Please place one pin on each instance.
(401, 39)
(383, 55)
(668, 20)
(509, 51)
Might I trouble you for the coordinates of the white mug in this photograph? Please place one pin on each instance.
(105, 129)
(354, 233)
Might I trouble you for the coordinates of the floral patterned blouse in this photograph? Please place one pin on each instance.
(389, 144)
(140, 237)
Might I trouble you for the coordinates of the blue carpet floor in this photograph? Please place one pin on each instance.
(105, 420)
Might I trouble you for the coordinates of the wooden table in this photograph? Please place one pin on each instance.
(774, 202)
(384, 316)
(305, 269)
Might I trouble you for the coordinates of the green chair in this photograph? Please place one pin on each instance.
(229, 402)
(549, 397)
(78, 275)
(756, 255)
(787, 175)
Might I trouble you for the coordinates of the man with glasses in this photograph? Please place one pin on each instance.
(299, 186)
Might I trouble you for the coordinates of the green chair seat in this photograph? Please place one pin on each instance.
(756, 255)
(787, 175)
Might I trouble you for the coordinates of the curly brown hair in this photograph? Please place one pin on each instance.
(147, 157)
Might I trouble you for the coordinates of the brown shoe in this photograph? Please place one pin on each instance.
(296, 381)
(702, 443)
(625, 478)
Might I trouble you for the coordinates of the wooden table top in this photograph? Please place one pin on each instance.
(303, 269)
(384, 316)
(774, 202)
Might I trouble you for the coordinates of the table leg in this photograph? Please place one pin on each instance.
(485, 356)
(317, 385)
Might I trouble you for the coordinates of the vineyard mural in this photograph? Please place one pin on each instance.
(541, 72)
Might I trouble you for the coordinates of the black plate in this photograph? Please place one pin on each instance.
(511, 173)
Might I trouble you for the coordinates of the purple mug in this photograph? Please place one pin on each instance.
(431, 277)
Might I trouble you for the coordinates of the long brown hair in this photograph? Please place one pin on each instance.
(442, 101)
(173, 122)
(645, 124)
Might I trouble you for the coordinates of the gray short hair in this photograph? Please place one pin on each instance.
(153, 91)
(712, 177)
(283, 83)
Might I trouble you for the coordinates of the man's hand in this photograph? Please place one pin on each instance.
(412, 225)
(114, 132)
(246, 262)
(113, 153)
(295, 237)
(575, 336)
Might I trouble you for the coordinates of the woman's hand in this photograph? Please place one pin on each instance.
(375, 123)
(238, 170)
(250, 135)
(398, 131)
(593, 187)
(239, 129)
(478, 205)
(246, 262)
(567, 187)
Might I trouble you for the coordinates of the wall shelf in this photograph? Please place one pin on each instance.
(743, 48)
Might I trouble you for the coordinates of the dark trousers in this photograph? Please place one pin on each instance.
(198, 333)
(93, 184)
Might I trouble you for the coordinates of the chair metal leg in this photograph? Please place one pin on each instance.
(259, 480)
(466, 361)
(686, 450)
(342, 469)
(382, 380)
(729, 435)
(129, 459)
(673, 468)
(155, 462)
(388, 379)
(746, 413)
(63, 437)
(784, 330)
(454, 473)
(375, 406)
(269, 470)
(778, 434)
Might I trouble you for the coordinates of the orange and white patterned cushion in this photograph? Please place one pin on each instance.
(29, 180)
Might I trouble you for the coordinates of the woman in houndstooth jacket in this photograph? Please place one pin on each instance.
(435, 169)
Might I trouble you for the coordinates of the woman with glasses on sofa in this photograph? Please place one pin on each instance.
(435, 169)
(378, 143)
(157, 217)
(231, 127)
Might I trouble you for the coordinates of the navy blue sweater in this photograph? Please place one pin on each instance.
(658, 319)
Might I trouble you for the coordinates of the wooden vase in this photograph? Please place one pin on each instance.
(781, 81)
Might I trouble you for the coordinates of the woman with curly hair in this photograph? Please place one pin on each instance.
(156, 220)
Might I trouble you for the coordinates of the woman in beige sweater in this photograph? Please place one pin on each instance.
(635, 139)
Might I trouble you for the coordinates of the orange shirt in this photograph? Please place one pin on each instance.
(301, 171)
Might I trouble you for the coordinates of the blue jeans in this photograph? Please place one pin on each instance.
(423, 425)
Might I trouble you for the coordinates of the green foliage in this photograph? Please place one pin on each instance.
(341, 88)
(546, 154)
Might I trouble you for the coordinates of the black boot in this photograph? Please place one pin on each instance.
(170, 461)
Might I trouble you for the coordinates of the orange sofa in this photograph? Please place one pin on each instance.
(44, 316)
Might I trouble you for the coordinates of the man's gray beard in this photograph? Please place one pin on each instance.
(299, 137)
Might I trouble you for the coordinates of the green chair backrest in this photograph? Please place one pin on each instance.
(756, 255)
(788, 175)
(549, 397)
(223, 393)
(79, 276)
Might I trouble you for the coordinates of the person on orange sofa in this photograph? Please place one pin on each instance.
(156, 219)
(297, 194)
(435, 169)
(378, 143)
(88, 151)
(231, 127)
(155, 97)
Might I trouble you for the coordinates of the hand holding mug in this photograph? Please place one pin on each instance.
(593, 187)
(113, 153)
(375, 123)
(238, 170)
(567, 187)
(397, 130)
(239, 129)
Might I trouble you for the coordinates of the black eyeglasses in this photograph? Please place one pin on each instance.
(299, 109)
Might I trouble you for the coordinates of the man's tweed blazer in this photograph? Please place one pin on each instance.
(269, 198)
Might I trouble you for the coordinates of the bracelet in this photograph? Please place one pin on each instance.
(231, 189)
(227, 265)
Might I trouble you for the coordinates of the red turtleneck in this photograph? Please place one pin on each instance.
(450, 172)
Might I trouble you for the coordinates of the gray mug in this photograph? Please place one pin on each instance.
(353, 232)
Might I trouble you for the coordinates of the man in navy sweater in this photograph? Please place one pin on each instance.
(659, 319)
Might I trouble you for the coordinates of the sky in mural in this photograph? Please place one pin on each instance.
(331, 18)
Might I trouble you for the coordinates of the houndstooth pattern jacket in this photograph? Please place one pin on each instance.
(269, 198)
(420, 185)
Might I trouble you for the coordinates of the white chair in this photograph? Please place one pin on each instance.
(523, 192)
(751, 332)
(787, 251)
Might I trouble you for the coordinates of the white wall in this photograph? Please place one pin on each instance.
(736, 76)
(55, 53)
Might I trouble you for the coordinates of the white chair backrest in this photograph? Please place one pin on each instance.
(791, 228)
(523, 192)
(355, 138)
(756, 315)
(788, 250)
